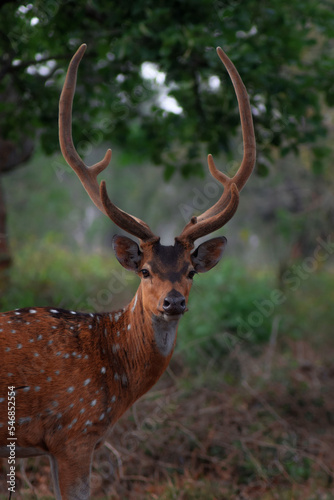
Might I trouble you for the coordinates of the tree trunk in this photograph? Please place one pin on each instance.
(11, 155)
(5, 258)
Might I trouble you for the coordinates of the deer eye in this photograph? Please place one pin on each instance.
(145, 273)
(191, 274)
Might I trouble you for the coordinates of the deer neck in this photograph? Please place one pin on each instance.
(156, 330)
(140, 348)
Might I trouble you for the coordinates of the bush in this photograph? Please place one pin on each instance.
(227, 306)
(46, 272)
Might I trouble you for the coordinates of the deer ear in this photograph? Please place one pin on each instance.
(127, 252)
(208, 254)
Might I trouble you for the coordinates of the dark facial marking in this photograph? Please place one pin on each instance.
(168, 262)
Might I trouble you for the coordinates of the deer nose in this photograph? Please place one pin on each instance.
(174, 303)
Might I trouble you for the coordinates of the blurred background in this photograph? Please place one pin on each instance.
(246, 408)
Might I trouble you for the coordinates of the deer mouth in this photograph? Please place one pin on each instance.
(172, 315)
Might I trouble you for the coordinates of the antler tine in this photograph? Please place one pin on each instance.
(134, 226)
(88, 175)
(245, 169)
(197, 229)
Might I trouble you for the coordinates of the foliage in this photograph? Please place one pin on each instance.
(282, 50)
(307, 310)
(47, 273)
(225, 309)
(236, 306)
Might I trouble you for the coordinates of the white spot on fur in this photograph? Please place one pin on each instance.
(135, 303)
(115, 348)
(24, 420)
(72, 423)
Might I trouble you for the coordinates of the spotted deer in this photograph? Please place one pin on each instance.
(74, 374)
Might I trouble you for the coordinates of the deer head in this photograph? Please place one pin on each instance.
(166, 272)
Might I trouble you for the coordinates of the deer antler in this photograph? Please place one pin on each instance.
(222, 211)
(213, 218)
(88, 175)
